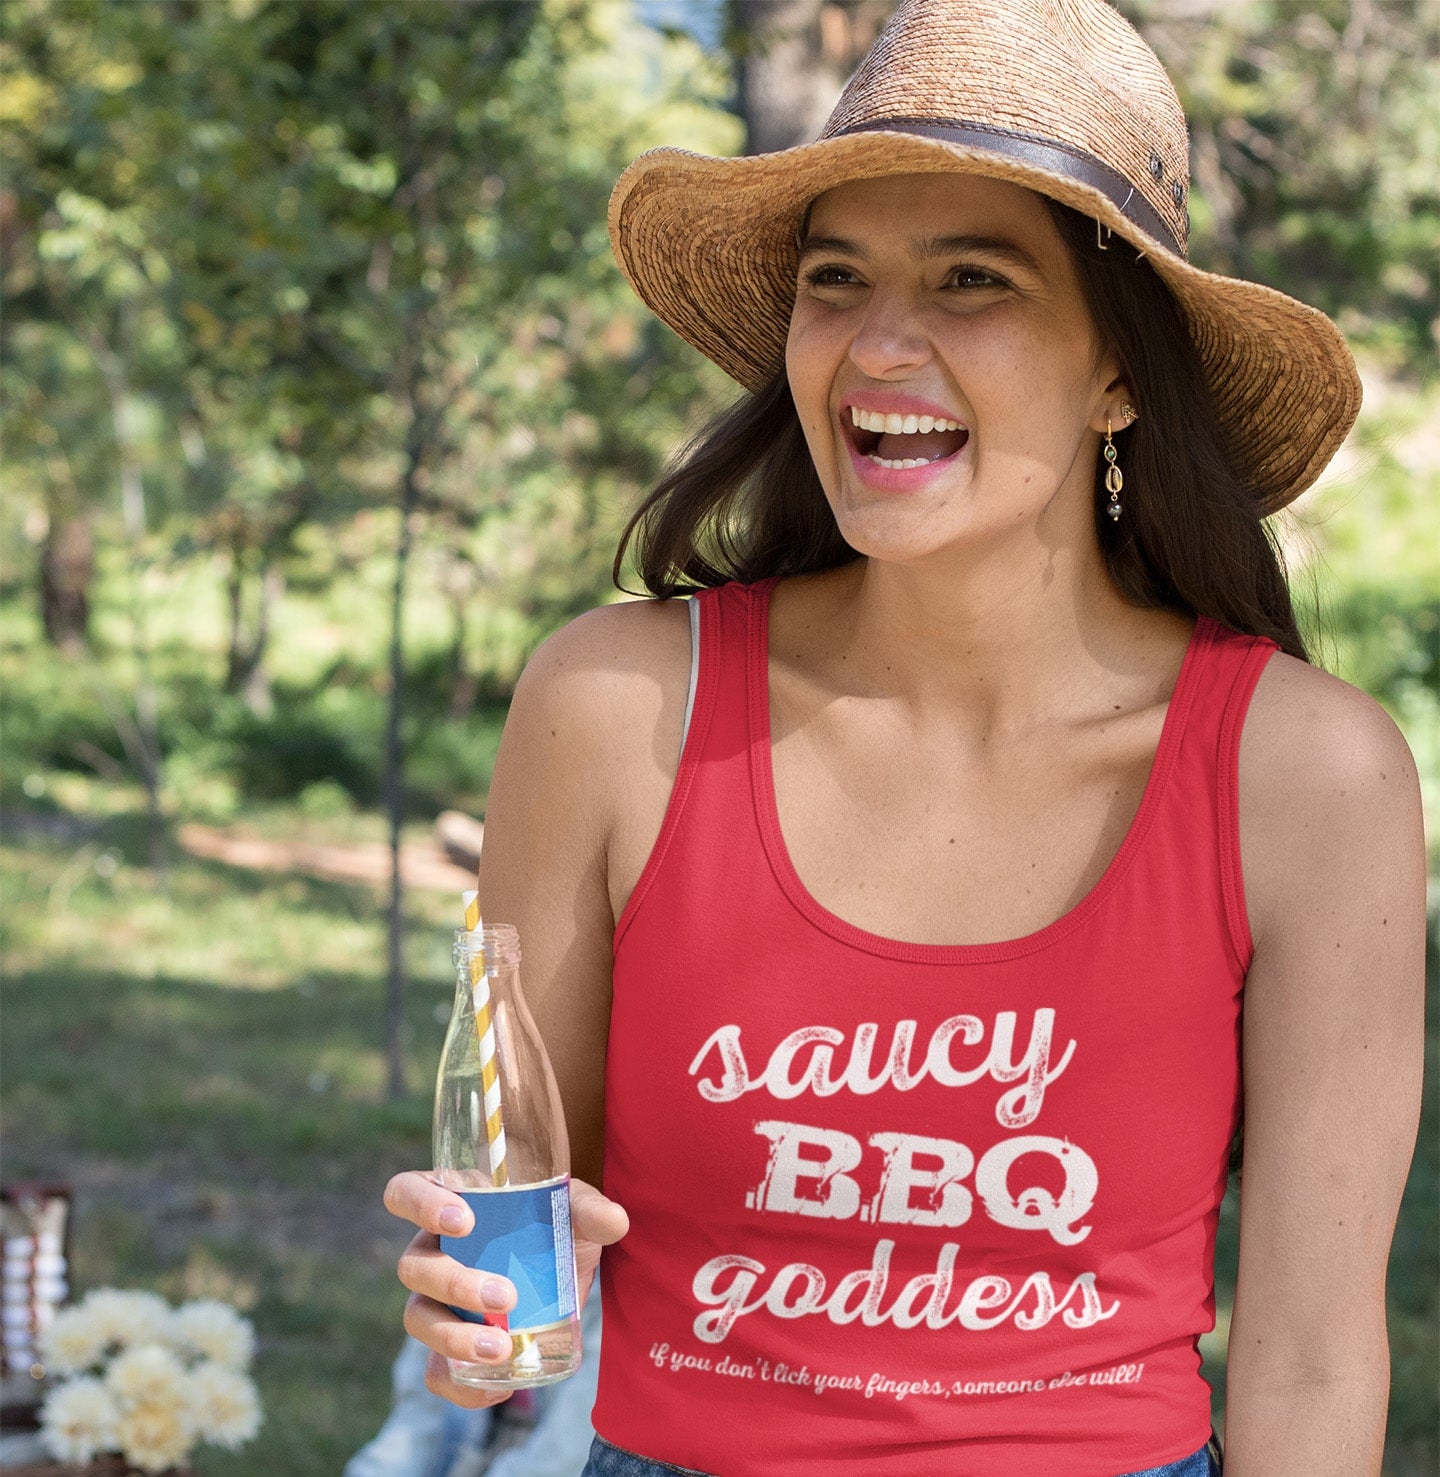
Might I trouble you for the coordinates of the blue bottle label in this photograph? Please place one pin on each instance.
(523, 1234)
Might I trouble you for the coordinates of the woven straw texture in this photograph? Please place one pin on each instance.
(709, 244)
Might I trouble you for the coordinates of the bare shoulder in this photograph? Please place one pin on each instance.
(609, 669)
(1328, 791)
(613, 646)
(606, 695)
(1309, 733)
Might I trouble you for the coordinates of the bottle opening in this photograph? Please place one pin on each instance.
(501, 945)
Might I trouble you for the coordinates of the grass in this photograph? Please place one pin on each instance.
(203, 1060)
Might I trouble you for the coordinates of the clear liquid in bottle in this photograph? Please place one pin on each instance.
(500, 1142)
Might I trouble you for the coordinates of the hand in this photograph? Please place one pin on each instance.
(436, 1280)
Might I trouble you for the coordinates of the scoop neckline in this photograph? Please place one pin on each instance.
(768, 811)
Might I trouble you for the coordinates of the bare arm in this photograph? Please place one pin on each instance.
(542, 866)
(592, 734)
(1333, 853)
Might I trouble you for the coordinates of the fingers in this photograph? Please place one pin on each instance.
(426, 1270)
(598, 1222)
(440, 1330)
(438, 1282)
(594, 1217)
(449, 1337)
(415, 1197)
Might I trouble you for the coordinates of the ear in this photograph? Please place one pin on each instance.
(1116, 405)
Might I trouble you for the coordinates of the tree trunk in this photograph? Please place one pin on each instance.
(245, 669)
(793, 58)
(258, 697)
(143, 741)
(235, 596)
(67, 566)
(395, 775)
(465, 683)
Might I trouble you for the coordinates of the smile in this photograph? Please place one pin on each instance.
(895, 450)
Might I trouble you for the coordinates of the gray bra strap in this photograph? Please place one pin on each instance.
(694, 667)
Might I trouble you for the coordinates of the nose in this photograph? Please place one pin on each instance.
(889, 336)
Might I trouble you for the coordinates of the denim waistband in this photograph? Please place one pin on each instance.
(607, 1460)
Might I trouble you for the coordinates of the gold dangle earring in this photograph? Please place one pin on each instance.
(1114, 479)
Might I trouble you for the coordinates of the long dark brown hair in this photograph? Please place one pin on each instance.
(744, 502)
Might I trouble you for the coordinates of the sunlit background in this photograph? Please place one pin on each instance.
(324, 402)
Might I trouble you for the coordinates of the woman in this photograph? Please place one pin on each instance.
(891, 956)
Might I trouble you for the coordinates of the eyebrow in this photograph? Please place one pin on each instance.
(928, 249)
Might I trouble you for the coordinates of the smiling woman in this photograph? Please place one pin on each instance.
(1013, 361)
(746, 501)
(892, 905)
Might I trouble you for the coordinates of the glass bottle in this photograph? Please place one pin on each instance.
(517, 1186)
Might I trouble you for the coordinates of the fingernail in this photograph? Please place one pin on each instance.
(495, 1294)
(489, 1345)
(452, 1220)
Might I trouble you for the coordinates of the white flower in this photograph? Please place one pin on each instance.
(127, 1318)
(163, 1380)
(79, 1418)
(224, 1406)
(73, 1340)
(147, 1375)
(215, 1331)
(155, 1436)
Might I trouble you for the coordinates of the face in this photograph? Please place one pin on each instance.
(952, 303)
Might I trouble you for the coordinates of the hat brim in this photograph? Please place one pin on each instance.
(708, 243)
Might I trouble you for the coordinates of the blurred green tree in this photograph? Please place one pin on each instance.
(275, 264)
(1315, 153)
(289, 288)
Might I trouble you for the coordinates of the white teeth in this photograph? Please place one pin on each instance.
(907, 462)
(900, 425)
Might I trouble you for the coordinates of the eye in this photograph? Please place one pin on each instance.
(826, 276)
(976, 277)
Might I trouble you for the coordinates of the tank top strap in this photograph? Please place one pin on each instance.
(727, 632)
(1202, 796)
(709, 808)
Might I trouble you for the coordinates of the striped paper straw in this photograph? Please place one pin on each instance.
(526, 1357)
(485, 1031)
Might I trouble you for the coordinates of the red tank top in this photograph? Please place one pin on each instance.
(918, 1208)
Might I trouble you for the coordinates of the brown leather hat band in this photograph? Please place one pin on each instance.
(1040, 153)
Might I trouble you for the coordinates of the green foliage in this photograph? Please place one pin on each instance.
(320, 741)
(1364, 546)
(278, 254)
(272, 263)
(1315, 154)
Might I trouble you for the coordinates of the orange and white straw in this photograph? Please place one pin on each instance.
(485, 1031)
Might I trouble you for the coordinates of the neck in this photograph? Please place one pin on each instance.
(1002, 640)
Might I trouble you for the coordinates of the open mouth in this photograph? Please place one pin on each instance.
(901, 442)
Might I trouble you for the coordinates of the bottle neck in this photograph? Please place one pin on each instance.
(500, 947)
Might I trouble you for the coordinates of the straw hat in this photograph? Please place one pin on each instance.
(1061, 96)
